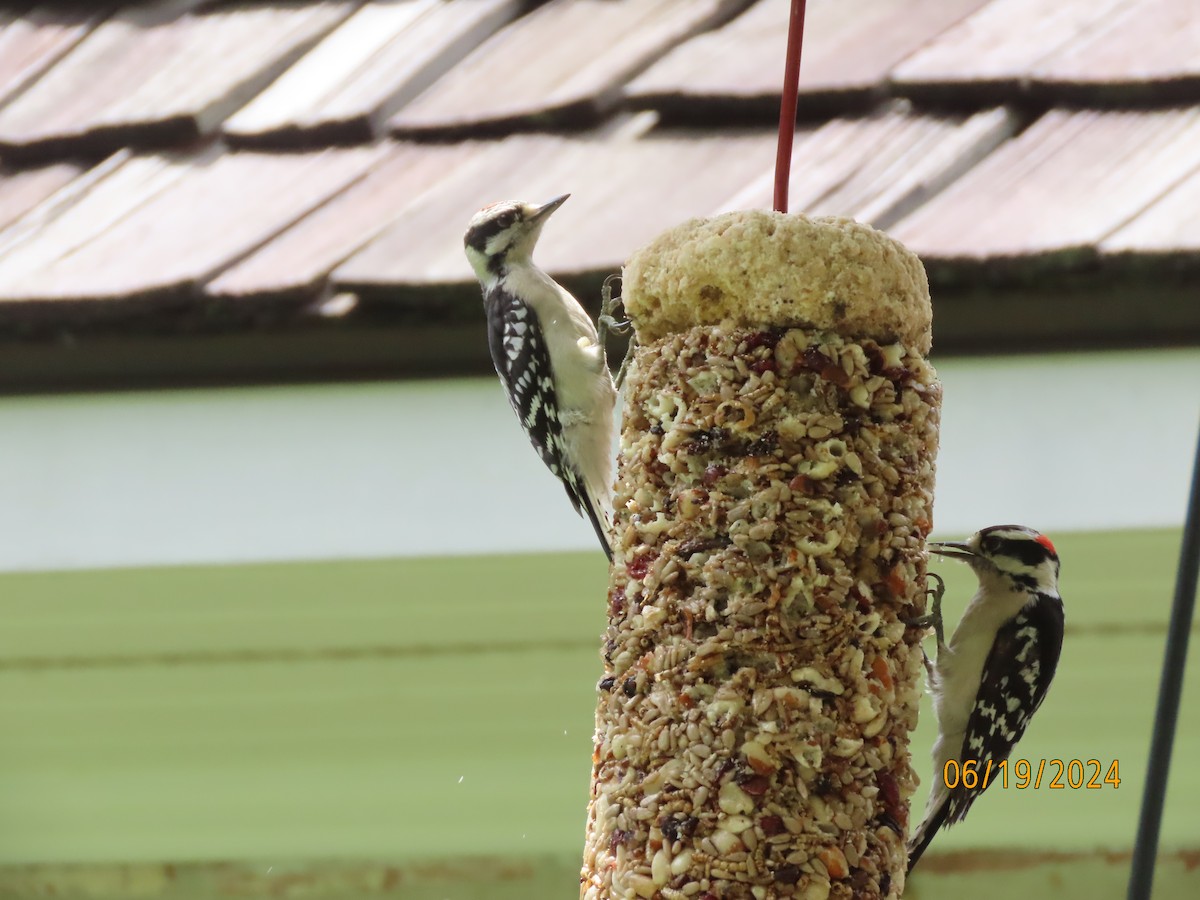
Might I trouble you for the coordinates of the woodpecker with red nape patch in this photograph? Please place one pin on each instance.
(548, 355)
(994, 674)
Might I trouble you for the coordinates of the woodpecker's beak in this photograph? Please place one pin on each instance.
(540, 212)
(953, 549)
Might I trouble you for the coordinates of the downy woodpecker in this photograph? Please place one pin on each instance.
(993, 675)
(547, 354)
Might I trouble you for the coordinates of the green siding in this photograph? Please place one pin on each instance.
(416, 711)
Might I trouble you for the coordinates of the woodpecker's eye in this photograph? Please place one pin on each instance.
(990, 544)
(505, 220)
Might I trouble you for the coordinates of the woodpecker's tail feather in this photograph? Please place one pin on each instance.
(588, 506)
(597, 520)
(924, 834)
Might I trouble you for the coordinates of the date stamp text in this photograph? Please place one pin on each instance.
(1055, 774)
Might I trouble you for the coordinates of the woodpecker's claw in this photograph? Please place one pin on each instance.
(934, 616)
(607, 321)
(938, 592)
(608, 308)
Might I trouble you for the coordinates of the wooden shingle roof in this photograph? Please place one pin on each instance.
(859, 44)
(1170, 226)
(161, 73)
(199, 189)
(1060, 187)
(562, 62)
(377, 61)
(1099, 51)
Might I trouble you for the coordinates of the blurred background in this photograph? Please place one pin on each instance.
(287, 605)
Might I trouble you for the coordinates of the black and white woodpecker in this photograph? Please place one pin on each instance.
(547, 354)
(993, 675)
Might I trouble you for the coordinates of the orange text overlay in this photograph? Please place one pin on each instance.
(1055, 774)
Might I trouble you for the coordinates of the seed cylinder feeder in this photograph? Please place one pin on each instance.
(773, 495)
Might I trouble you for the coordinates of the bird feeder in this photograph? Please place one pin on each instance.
(773, 494)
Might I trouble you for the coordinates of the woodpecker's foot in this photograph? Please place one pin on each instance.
(607, 321)
(934, 616)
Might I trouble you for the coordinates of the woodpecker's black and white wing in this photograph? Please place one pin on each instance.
(1016, 677)
(522, 361)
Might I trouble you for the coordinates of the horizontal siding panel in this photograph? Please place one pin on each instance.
(453, 749)
(299, 612)
(351, 610)
(419, 757)
(442, 756)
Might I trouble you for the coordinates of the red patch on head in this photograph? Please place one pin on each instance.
(1047, 543)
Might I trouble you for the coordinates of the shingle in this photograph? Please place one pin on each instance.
(1138, 46)
(1169, 226)
(425, 246)
(157, 224)
(21, 191)
(370, 66)
(847, 47)
(565, 60)
(631, 191)
(223, 241)
(1060, 187)
(84, 209)
(910, 160)
(34, 40)
(149, 74)
(1001, 44)
(298, 260)
(623, 193)
(880, 168)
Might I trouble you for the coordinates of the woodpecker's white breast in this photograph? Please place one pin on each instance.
(570, 335)
(960, 664)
